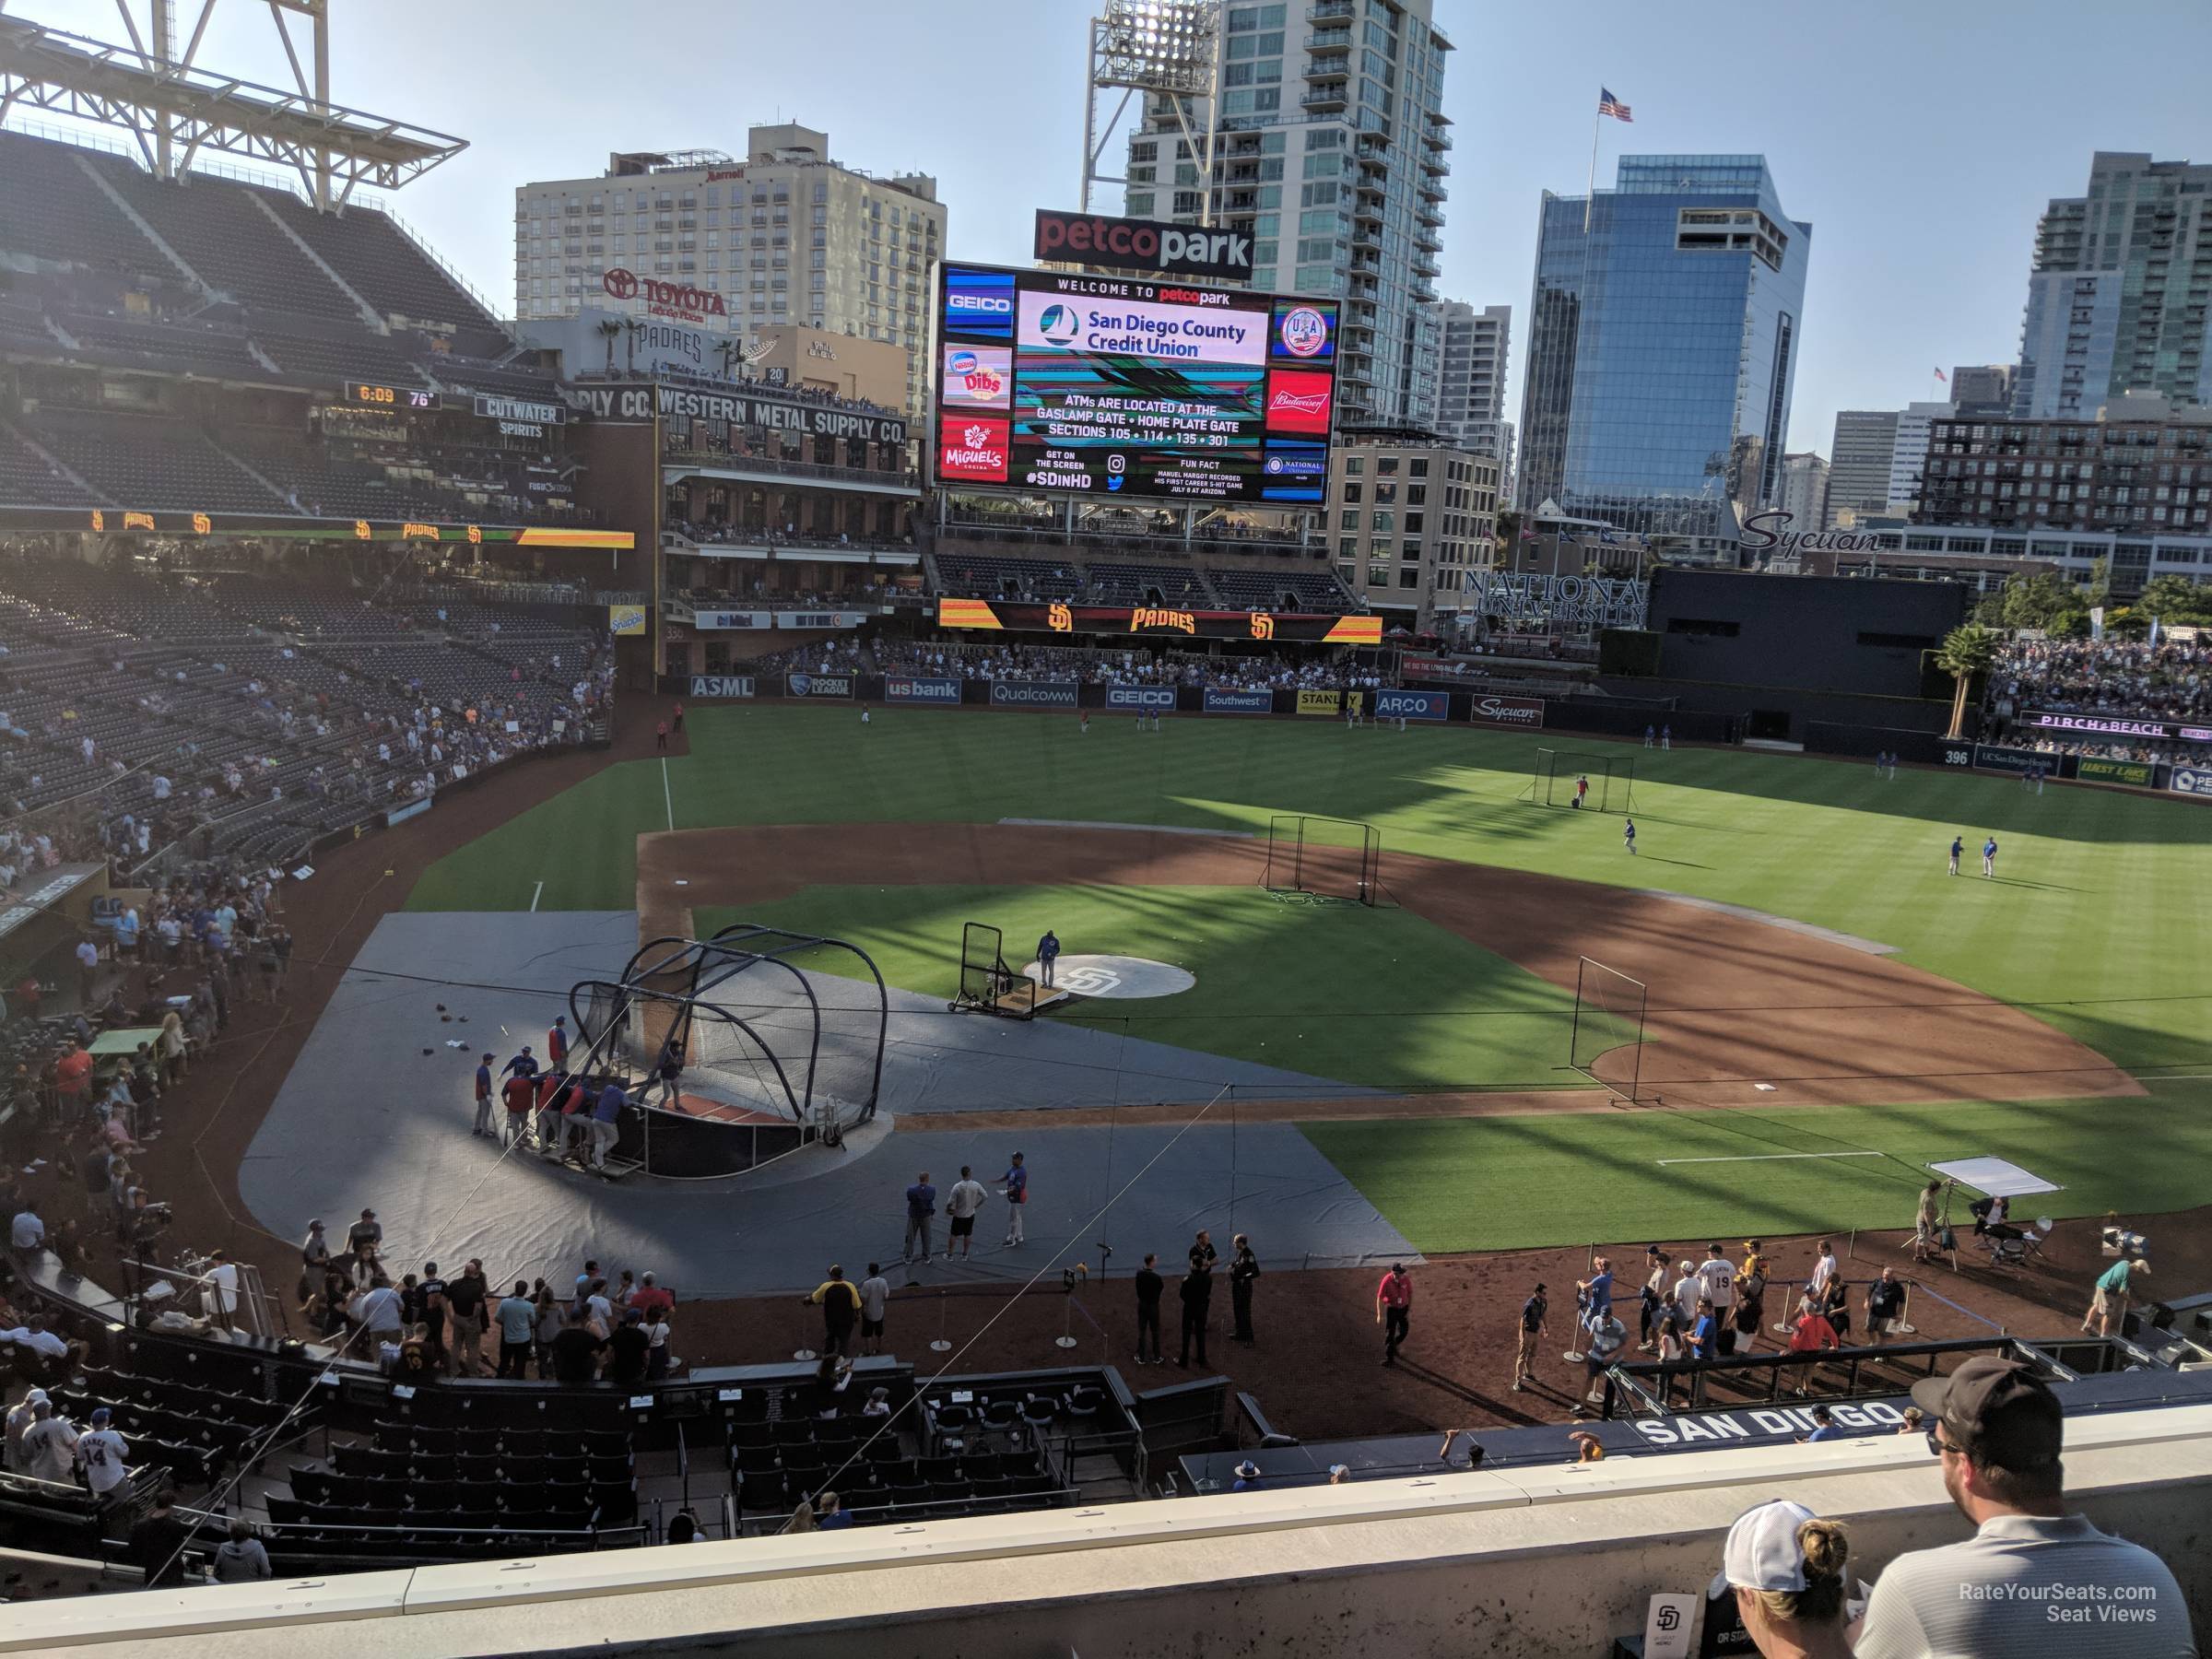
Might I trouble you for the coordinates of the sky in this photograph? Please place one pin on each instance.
(1919, 138)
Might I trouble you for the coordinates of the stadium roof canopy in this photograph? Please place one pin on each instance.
(176, 109)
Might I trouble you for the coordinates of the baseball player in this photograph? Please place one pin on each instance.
(863, 717)
(1989, 856)
(1958, 846)
(1667, 738)
(1628, 836)
(1651, 734)
(1582, 788)
(1048, 952)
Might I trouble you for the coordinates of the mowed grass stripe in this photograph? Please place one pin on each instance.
(1380, 998)
(2113, 924)
(1529, 1182)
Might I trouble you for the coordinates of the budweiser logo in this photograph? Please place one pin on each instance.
(1300, 402)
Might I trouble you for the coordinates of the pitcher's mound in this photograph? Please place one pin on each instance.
(1127, 978)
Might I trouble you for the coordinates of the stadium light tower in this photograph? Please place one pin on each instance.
(1169, 48)
(174, 108)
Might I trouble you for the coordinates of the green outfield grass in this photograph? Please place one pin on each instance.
(1522, 1183)
(2101, 924)
(1377, 997)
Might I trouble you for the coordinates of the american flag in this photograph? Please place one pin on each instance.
(1941, 376)
(1609, 105)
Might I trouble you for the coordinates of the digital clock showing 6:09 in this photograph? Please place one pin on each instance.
(389, 397)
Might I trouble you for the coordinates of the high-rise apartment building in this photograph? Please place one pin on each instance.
(1982, 388)
(2139, 464)
(2117, 297)
(1470, 380)
(1331, 155)
(1859, 463)
(1805, 490)
(783, 237)
(1909, 452)
(1409, 516)
(1662, 346)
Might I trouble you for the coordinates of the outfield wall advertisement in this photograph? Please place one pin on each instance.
(1237, 702)
(913, 688)
(1033, 694)
(2134, 774)
(1145, 699)
(1487, 710)
(1991, 758)
(1061, 380)
(706, 687)
(1413, 705)
(817, 685)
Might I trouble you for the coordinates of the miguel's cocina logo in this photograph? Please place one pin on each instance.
(1263, 626)
(1180, 621)
(1059, 619)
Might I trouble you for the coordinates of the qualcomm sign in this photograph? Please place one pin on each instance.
(1033, 694)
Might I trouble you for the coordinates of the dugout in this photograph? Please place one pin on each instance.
(1783, 651)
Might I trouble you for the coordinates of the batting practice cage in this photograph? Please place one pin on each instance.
(1612, 780)
(1323, 858)
(758, 1022)
(987, 984)
(1608, 1027)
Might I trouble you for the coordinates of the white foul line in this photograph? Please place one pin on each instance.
(667, 800)
(534, 893)
(1772, 1157)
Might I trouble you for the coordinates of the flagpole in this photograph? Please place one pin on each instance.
(1590, 195)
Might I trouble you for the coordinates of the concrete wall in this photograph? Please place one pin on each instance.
(1540, 1562)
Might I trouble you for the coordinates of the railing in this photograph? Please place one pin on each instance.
(800, 469)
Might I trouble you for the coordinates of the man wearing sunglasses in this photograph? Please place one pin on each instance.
(2033, 1579)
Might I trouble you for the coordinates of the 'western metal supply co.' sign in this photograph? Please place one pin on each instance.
(777, 414)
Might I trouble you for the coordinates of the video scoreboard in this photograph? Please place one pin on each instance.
(1055, 381)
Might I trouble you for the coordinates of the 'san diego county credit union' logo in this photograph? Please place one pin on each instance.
(1059, 325)
(1305, 332)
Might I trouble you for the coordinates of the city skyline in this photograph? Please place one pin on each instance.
(1925, 243)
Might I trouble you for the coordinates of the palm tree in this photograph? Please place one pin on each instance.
(1966, 652)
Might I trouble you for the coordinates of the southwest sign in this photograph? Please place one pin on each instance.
(1149, 245)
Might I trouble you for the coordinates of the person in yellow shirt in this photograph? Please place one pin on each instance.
(839, 1298)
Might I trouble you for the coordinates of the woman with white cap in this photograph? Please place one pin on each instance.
(1785, 1566)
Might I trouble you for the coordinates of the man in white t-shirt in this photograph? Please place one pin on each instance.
(961, 1206)
(49, 1445)
(875, 1298)
(1824, 1271)
(220, 1297)
(103, 1455)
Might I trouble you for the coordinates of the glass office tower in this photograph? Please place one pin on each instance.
(1662, 344)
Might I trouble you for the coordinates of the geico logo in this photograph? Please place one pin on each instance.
(979, 302)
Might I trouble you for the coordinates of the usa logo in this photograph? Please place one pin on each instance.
(1305, 332)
